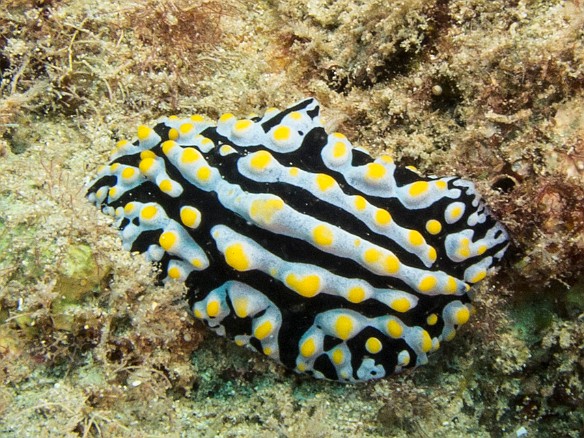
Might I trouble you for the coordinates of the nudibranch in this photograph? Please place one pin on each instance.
(299, 245)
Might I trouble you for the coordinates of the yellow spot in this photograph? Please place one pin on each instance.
(190, 155)
(400, 305)
(198, 314)
(307, 285)
(241, 126)
(240, 342)
(197, 118)
(394, 329)
(308, 347)
(128, 172)
(478, 276)
(129, 208)
(186, 128)
(190, 216)
(173, 134)
(325, 181)
(263, 210)
(339, 135)
(101, 193)
(450, 336)
(282, 133)
(455, 213)
(146, 165)
(461, 316)
(206, 142)
(415, 238)
(165, 185)
(360, 202)
(391, 264)
(236, 257)
(441, 185)
(120, 144)
(386, 158)
(404, 359)
(263, 330)
(373, 345)
(213, 308)
(427, 283)
(432, 319)
(143, 132)
(197, 263)
(112, 192)
(464, 251)
(419, 188)
(225, 117)
(148, 212)
(114, 167)
(382, 217)
(174, 272)
(481, 249)
(432, 256)
(167, 240)
(260, 160)
(295, 115)
(464, 248)
(147, 154)
(371, 255)
(301, 367)
(173, 117)
(426, 344)
(167, 146)
(375, 172)
(451, 286)
(339, 149)
(267, 351)
(356, 294)
(241, 306)
(293, 171)
(344, 326)
(226, 150)
(338, 356)
(204, 173)
(322, 235)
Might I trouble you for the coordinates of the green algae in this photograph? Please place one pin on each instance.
(531, 319)
(574, 301)
(25, 262)
(79, 276)
(79, 273)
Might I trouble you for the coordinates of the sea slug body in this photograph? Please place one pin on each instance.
(298, 245)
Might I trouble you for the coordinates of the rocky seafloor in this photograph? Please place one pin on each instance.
(489, 90)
